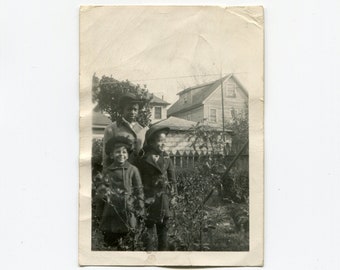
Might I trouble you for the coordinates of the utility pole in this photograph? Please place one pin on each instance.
(222, 95)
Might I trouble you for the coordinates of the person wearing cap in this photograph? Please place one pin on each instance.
(121, 193)
(159, 181)
(127, 126)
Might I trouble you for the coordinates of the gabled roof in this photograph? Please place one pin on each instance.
(202, 92)
(175, 123)
(99, 119)
(157, 101)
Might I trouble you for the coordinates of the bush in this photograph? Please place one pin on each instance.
(201, 220)
(107, 92)
(198, 222)
(97, 156)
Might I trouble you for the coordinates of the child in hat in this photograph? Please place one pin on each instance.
(159, 181)
(121, 191)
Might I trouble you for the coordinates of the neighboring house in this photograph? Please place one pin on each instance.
(203, 103)
(178, 138)
(158, 109)
(100, 120)
(99, 123)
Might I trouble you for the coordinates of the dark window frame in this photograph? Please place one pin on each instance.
(211, 115)
(158, 115)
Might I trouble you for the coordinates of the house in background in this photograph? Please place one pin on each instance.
(203, 103)
(158, 109)
(100, 120)
(178, 140)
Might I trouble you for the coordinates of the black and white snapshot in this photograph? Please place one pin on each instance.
(170, 176)
(169, 94)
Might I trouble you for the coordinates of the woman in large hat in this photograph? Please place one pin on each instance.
(127, 126)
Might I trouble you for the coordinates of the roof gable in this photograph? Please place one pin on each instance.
(99, 119)
(199, 94)
(158, 101)
(229, 79)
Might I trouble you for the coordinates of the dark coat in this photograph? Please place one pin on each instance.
(124, 198)
(122, 128)
(159, 181)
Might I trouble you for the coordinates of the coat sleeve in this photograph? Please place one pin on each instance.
(138, 189)
(172, 177)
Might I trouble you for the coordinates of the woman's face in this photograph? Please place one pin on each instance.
(120, 154)
(130, 112)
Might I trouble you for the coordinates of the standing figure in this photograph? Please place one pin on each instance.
(127, 126)
(159, 181)
(121, 191)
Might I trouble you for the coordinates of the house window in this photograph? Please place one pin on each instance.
(158, 112)
(231, 90)
(185, 98)
(212, 116)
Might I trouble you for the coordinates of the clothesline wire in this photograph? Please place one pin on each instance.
(180, 77)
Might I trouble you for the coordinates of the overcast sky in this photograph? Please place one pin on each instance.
(170, 48)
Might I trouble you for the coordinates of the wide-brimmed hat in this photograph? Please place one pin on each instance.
(118, 141)
(155, 129)
(129, 98)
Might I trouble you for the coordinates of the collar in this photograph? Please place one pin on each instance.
(114, 166)
(149, 159)
(130, 124)
(135, 128)
(126, 121)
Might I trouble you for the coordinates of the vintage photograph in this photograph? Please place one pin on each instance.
(170, 176)
(171, 118)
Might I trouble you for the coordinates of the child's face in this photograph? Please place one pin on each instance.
(119, 154)
(158, 142)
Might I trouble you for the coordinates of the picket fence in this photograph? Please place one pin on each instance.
(189, 159)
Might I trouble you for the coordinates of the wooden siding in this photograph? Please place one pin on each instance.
(178, 141)
(195, 115)
(239, 103)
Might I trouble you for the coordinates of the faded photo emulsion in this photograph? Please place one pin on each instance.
(171, 136)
